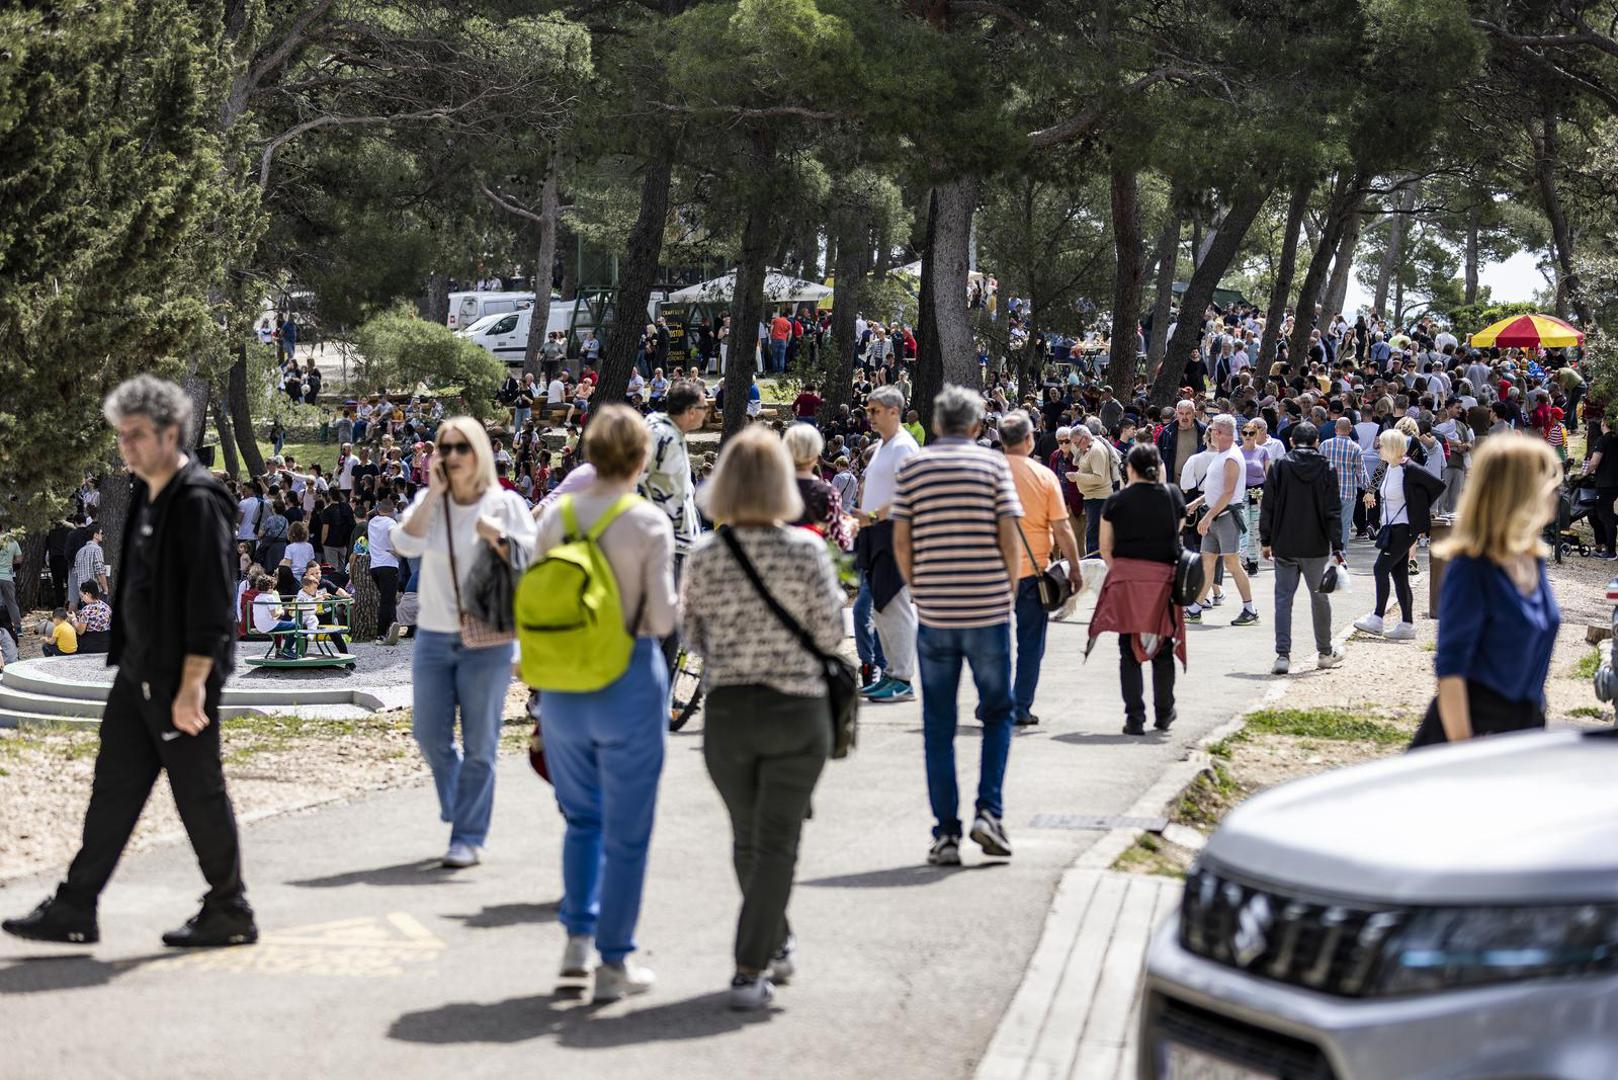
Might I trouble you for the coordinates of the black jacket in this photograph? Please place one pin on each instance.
(194, 579)
(1168, 440)
(1300, 516)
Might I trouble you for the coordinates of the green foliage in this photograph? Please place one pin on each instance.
(1346, 725)
(1588, 663)
(1470, 318)
(402, 352)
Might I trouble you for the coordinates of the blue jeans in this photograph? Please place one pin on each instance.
(519, 417)
(605, 752)
(1032, 622)
(1348, 502)
(866, 642)
(940, 653)
(1092, 525)
(446, 674)
(778, 355)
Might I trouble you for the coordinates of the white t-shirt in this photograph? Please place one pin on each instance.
(252, 511)
(379, 534)
(345, 478)
(1213, 485)
(1194, 469)
(264, 616)
(433, 585)
(881, 476)
(1392, 497)
(1450, 429)
(556, 391)
(301, 554)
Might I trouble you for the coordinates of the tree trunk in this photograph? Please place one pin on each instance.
(1344, 195)
(752, 263)
(642, 253)
(1128, 273)
(1390, 257)
(437, 299)
(241, 414)
(851, 244)
(196, 388)
(227, 439)
(1569, 291)
(945, 353)
(1219, 253)
(1276, 315)
(544, 263)
(1337, 288)
(1168, 257)
(1471, 294)
(33, 561)
(567, 244)
(113, 512)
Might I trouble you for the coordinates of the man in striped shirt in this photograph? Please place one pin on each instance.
(955, 536)
(1347, 459)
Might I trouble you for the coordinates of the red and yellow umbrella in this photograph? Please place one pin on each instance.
(1528, 332)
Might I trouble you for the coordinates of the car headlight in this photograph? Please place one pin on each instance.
(1446, 948)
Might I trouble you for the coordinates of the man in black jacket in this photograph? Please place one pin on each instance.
(1300, 527)
(173, 642)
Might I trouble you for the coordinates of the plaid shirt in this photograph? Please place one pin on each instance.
(1348, 462)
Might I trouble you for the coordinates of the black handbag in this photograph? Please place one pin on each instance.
(1052, 581)
(842, 681)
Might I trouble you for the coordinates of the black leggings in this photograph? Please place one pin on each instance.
(1393, 561)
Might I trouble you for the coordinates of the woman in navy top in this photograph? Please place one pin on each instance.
(1497, 619)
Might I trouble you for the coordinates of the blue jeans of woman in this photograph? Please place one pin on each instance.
(605, 752)
(447, 674)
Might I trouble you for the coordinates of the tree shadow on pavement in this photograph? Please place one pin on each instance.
(76, 971)
(495, 916)
(416, 872)
(574, 1022)
(920, 874)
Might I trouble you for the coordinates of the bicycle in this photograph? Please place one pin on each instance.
(685, 685)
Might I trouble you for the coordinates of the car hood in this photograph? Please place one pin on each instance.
(1514, 818)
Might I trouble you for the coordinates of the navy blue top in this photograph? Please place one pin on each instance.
(1490, 633)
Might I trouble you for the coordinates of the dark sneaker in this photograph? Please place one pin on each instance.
(1193, 616)
(990, 835)
(1246, 618)
(946, 851)
(1134, 727)
(54, 921)
(1163, 723)
(215, 927)
(1250, 566)
(1027, 720)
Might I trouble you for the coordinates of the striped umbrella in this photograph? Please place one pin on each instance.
(1528, 332)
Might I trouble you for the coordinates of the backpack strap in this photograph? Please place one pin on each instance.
(570, 520)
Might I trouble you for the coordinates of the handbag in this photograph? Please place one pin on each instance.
(1052, 581)
(476, 633)
(842, 681)
(1188, 576)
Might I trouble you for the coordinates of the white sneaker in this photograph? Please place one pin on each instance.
(615, 981)
(784, 964)
(751, 994)
(460, 856)
(1329, 660)
(392, 636)
(1402, 632)
(576, 957)
(1281, 666)
(1371, 624)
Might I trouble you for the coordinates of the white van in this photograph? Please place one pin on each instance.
(466, 308)
(506, 335)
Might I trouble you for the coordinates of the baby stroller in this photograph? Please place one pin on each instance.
(1574, 503)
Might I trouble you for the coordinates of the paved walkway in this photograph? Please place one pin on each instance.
(376, 963)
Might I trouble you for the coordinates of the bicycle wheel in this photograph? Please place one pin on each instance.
(686, 684)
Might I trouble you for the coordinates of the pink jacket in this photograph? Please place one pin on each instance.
(1137, 599)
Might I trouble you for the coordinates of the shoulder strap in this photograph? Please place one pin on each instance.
(449, 538)
(1025, 545)
(770, 602)
(570, 520)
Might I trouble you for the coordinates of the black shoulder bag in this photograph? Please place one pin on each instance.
(1052, 581)
(842, 682)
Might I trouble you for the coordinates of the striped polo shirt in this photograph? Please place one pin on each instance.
(954, 493)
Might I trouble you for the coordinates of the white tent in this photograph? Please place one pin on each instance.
(913, 270)
(778, 288)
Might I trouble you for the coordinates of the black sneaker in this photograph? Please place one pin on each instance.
(990, 835)
(1246, 618)
(1027, 720)
(946, 851)
(1163, 723)
(55, 921)
(1134, 727)
(1250, 566)
(215, 927)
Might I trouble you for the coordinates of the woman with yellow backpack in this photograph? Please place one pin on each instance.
(590, 612)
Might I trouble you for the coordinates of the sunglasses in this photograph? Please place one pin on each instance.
(1249, 431)
(454, 448)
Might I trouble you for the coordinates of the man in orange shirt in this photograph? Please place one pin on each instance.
(780, 334)
(1044, 518)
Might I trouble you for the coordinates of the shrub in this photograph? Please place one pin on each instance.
(403, 352)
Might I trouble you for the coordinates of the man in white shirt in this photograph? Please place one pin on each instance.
(249, 512)
(883, 592)
(1445, 338)
(556, 391)
(1458, 438)
(1224, 491)
(384, 566)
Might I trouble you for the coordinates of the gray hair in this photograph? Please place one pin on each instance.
(160, 401)
(1095, 426)
(1015, 427)
(1185, 403)
(956, 409)
(1224, 420)
(889, 397)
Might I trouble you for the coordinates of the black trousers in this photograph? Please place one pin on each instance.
(1490, 713)
(387, 591)
(1134, 682)
(133, 751)
(1392, 566)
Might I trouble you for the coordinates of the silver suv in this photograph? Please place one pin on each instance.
(1451, 913)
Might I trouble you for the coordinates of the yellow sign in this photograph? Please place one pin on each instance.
(368, 948)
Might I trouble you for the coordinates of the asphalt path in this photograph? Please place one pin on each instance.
(375, 963)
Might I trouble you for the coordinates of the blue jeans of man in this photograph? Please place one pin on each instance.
(1092, 525)
(866, 642)
(1348, 502)
(605, 751)
(447, 674)
(1032, 622)
(940, 652)
(778, 355)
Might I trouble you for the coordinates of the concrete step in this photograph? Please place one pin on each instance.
(24, 701)
(24, 719)
(21, 678)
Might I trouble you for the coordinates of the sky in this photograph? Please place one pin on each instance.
(1517, 278)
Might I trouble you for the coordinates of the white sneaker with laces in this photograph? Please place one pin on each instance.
(1329, 660)
(749, 994)
(1281, 666)
(1371, 624)
(616, 981)
(576, 957)
(1402, 632)
(784, 964)
(460, 856)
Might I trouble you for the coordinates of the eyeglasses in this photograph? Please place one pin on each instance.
(1249, 431)
(454, 448)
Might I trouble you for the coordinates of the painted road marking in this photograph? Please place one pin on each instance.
(368, 948)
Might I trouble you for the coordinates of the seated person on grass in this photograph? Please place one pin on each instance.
(64, 641)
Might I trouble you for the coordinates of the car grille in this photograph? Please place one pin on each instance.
(1266, 1052)
(1327, 945)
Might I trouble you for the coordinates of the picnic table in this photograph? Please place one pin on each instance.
(312, 647)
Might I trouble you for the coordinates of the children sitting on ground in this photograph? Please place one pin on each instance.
(64, 641)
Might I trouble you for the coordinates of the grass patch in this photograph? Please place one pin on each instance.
(1147, 856)
(305, 453)
(1208, 798)
(1586, 667)
(1341, 725)
(1593, 712)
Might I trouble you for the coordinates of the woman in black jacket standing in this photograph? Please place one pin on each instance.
(1405, 493)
